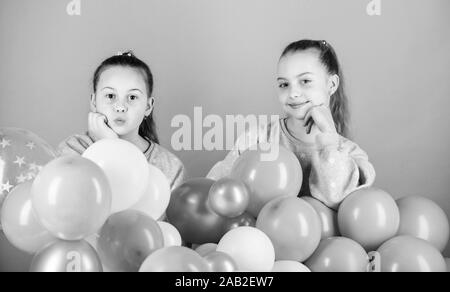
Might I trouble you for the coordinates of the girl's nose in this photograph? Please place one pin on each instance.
(120, 108)
(294, 93)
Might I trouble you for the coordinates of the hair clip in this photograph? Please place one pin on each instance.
(128, 53)
(324, 43)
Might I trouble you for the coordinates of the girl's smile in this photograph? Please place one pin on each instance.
(296, 106)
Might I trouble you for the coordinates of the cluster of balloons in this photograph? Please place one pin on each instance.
(100, 212)
(220, 216)
(408, 234)
(377, 233)
(192, 209)
(203, 210)
(85, 213)
(369, 232)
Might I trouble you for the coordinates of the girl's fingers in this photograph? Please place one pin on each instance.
(309, 114)
(306, 118)
(75, 145)
(321, 117)
(99, 128)
(99, 119)
(101, 123)
(84, 140)
(309, 125)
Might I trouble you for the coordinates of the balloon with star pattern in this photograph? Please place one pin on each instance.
(22, 156)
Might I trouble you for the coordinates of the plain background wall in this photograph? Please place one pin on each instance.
(222, 55)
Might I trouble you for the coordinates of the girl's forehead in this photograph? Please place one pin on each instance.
(120, 77)
(300, 62)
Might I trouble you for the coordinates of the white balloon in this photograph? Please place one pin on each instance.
(155, 199)
(289, 266)
(250, 248)
(125, 167)
(171, 235)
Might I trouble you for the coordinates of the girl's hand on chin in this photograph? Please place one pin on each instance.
(98, 127)
(319, 116)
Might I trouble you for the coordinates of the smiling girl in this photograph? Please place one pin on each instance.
(311, 94)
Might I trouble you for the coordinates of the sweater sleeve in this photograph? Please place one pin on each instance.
(78, 143)
(337, 171)
(223, 168)
(179, 177)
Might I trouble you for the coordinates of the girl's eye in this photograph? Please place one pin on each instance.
(282, 85)
(110, 96)
(133, 97)
(305, 81)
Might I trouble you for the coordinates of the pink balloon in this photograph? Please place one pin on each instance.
(22, 156)
(328, 217)
(206, 248)
(174, 259)
(422, 218)
(338, 254)
(71, 197)
(93, 241)
(170, 234)
(410, 254)
(293, 226)
(127, 239)
(369, 216)
(267, 180)
(19, 222)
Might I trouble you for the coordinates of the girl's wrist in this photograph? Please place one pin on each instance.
(328, 140)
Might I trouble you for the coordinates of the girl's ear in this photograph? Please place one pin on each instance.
(333, 84)
(93, 105)
(150, 106)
